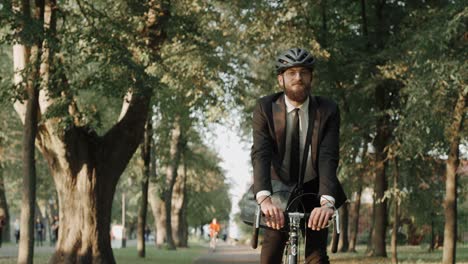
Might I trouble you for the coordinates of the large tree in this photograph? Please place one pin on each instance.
(437, 101)
(86, 166)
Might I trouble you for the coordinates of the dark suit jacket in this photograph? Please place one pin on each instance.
(269, 133)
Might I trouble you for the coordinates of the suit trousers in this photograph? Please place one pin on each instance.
(274, 244)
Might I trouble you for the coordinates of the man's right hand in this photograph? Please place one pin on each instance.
(274, 217)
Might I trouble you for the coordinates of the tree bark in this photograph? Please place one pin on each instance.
(28, 59)
(370, 247)
(179, 220)
(177, 200)
(157, 205)
(171, 176)
(86, 183)
(343, 243)
(383, 134)
(450, 210)
(354, 220)
(4, 211)
(183, 222)
(143, 209)
(396, 215)
(159, 214)
(355, 206)
(26, 244)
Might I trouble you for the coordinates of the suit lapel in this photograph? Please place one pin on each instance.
(313, 109)
(279, 121)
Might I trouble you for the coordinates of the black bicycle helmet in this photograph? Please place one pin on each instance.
(293, 58)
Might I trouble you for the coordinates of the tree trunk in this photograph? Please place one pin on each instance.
(79, 159)
(450, 210)
(171, 176)
(380, 143)
(178, 209)
(183, 222)
(4, 212)
(355, 206)
(432, 243)
(157, 205)
(354, 220)
(343, 243)
(79, 163)
(370, 247)
(380, 214)
(26, 250)
(396, 215)
(383, 133)
(143, 209)
(159, 214)
(24, 55)
(26, 246)
(177, 200)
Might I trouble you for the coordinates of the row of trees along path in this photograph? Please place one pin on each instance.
(394, 68)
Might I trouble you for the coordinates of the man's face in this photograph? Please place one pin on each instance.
(297, 83)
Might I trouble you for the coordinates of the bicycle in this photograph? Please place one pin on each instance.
(291, 251)
(213, 241)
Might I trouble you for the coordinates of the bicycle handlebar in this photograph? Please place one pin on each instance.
(256, 227)
(258, 215)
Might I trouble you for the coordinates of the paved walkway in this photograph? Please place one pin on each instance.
(11, 250)
(226, 253)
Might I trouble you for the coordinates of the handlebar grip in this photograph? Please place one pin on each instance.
(254, 243)
(256, 227)
(335, 238)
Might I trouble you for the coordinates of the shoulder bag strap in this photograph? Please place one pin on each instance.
(314, 135)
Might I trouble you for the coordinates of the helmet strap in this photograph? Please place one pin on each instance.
(284, 84)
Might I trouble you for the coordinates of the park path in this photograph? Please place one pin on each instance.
(11, 250)
(226, 254)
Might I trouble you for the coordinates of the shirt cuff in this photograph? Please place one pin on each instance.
(262, 193)
(327, 200)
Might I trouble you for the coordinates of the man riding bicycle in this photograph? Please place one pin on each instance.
(280, 126)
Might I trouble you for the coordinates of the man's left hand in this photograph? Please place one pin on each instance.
(319, 217)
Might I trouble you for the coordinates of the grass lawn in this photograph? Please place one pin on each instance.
(129, 255)
(406, 254)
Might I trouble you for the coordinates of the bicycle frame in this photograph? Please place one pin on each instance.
(294, 225)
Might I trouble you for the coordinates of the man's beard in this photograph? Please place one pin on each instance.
(299, 95)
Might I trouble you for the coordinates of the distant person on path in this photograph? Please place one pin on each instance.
(214, 231)
(39, 232)
(2, 224)
(55, 228)
(147, 233)
(17, 230)
(280, 125)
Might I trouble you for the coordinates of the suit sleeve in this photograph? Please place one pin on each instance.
(329, 157)
(262, 150)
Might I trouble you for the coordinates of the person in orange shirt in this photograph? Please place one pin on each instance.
(214, 231)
